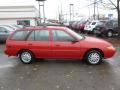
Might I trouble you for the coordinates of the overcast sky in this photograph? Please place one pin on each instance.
(51, 6)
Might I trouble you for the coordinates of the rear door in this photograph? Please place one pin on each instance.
(40, 44)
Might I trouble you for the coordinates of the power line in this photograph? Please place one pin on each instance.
(88, 5)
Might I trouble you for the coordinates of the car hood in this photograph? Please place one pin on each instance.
(96, 41)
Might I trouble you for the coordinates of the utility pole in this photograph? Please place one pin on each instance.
(44, 11)
(39, 13)
(40, 10)
(118, 10)
(97, 11)
(94, 9)
(71, 5)
(61, 14)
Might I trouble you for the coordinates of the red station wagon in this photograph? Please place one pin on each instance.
(56, 42)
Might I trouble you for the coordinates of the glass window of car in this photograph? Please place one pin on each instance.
(59, 35)
(115, 24)
(31, 36)
(20, 35)
(3, 30)
(88, 23)
(93, 23)
(109, 24)
(42, 35)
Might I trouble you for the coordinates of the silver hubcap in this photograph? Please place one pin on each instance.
(109, 34)
(94, 58)
(26, 57)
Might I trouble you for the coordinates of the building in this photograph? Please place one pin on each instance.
(18, 15)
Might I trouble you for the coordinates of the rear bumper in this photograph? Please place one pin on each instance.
(5, 51)
(9, 52)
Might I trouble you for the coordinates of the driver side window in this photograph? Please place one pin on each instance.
(59, 35)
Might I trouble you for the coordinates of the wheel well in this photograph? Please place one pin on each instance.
(23, 50)
(96, 50)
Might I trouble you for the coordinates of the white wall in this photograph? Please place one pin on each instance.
(10, 14)
(17, 14)
(18, 11)
(14, 21)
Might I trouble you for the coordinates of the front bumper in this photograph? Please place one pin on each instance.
(110, 52)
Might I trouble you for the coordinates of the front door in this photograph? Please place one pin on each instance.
(62, 45)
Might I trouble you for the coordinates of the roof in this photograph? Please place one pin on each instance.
(43, 27)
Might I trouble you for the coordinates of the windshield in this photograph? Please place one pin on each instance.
(88, 23)
(79, 36)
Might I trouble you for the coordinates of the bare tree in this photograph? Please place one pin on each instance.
(116, 6)
(111, 4)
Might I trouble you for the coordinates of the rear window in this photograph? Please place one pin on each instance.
(20, 35)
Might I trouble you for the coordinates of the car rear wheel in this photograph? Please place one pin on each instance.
(93, 57)
(26, 57)
(109, 34)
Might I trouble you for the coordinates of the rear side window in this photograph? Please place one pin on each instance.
(39, 35)
(20, 35)
(42, 35)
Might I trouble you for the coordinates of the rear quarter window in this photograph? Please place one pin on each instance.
(20, 35)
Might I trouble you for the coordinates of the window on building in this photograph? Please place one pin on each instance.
(23, 22)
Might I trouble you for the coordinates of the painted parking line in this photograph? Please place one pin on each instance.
(6, 66)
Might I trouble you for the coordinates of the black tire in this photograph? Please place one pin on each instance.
(109, 34)
(96, 59)
(93, 31)
(26, 57)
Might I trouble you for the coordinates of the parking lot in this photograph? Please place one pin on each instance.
(59, 74)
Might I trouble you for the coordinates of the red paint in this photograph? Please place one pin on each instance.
(58, 49)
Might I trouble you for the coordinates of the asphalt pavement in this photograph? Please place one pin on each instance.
(58, 74)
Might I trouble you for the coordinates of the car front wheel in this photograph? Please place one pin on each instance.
(26, 57)
(93, 57)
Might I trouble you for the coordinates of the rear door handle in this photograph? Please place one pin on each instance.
(9, 46)
(57, 45)
(30, 44)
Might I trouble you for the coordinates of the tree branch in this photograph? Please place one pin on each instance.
(113, 4)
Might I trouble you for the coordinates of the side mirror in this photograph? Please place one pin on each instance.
(74, 41)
